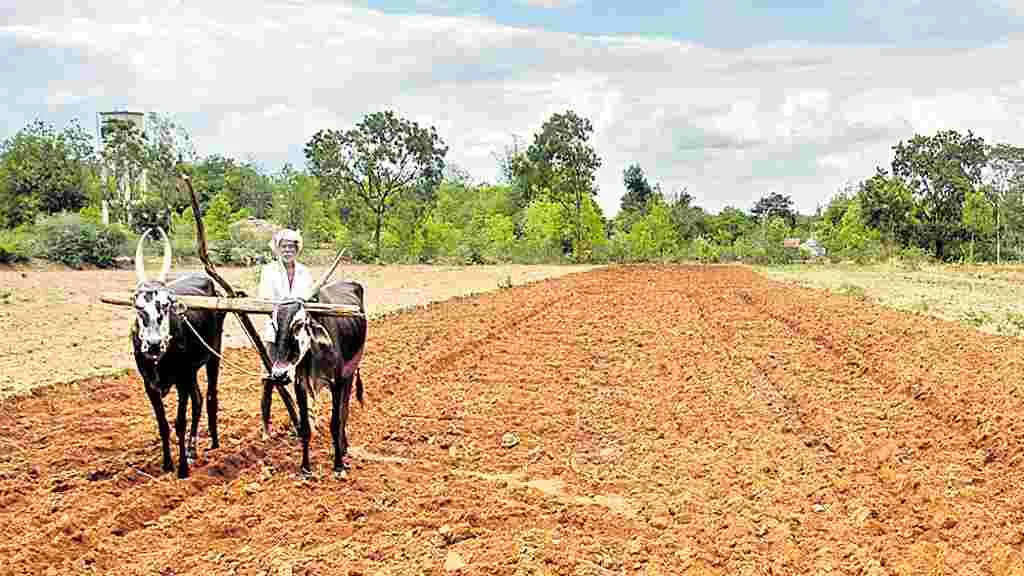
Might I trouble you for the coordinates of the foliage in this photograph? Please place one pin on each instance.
(775, 205)
(940, 170)
(381, 158)
(67, 239)
(43, 170)
(15, 245)
(561, 164)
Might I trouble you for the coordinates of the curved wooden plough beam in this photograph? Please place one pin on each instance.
(268, 383)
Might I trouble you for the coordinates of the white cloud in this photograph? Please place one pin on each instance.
(729, 125)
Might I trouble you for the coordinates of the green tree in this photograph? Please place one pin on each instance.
(44, 169)
(940, 171)
(638, 190)
(380, 159)
(888, 206)
(1005, 172)
(562, 163)
(296, 200)
(978, 218)
(773, 205)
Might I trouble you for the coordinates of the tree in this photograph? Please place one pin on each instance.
(383, 157)
(940, 171)
(1005, 170)
(167, 145)
(125, 157)
(44, 170)
(562, 163)
(637, 189)
(690, 221)
(978, 216)
(887, 205)
(773, 205)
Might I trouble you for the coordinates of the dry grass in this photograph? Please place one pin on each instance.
(987, 298)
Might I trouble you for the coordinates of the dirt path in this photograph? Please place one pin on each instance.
(676, 420)
(57, 330)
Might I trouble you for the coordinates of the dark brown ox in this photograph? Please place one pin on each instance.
(314, 351)
(168, 353)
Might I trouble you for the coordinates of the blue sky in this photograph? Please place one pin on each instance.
(729, 100)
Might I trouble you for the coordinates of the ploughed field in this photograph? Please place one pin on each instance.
(630, 420)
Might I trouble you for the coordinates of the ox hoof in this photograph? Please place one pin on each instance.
(341, 474)
(264, 437)
(305, 474)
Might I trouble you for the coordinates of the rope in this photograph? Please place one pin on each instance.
(215, 353)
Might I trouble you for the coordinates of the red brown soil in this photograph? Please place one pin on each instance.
(671, 420)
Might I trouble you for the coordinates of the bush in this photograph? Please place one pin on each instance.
(15, 246)
(67, 239)
(242, 252)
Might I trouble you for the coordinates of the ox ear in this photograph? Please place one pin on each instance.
(321, 337)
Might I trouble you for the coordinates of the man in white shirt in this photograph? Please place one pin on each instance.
(284, 277)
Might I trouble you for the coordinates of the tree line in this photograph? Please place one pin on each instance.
(384, 189)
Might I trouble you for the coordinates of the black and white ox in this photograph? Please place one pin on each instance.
(313, 351)
(168, 352)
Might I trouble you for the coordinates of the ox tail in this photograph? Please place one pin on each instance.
(359, 387)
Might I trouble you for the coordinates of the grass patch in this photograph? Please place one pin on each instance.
(984, 297)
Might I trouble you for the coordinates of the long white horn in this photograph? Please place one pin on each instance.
(140, 266)
(167, 256)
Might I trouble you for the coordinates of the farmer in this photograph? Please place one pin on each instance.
(284, 277)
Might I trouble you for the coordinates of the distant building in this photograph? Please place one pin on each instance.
(106, 121)
(791, 243)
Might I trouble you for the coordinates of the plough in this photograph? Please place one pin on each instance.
(241, 304)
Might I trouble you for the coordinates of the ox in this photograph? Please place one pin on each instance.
(314, 351)
(167, 351)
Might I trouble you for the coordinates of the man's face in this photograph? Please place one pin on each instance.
(289, 248)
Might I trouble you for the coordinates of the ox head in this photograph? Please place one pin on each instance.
(295, 334)
(153, 303)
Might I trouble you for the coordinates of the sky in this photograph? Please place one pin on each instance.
(730, 100)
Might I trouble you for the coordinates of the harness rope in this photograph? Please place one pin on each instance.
(214, 352)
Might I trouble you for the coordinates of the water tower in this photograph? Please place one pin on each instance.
(105, 123)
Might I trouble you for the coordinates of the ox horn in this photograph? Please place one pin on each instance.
(140, 265)
(327, 275)
(167, 256)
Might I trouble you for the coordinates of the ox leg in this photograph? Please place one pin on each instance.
(268, 395)
(197, 409)
(288, 404)
(304, 433)
(340, 392)
(179, 428)
(212, 373)
(161, 422)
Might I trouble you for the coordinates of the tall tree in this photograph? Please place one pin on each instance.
(379, 159)
(563, 163)
(941, 170)
(1005, 171)
(638, 190)
(125, 158)
(887, 206)
(44, 169)
(773, 205)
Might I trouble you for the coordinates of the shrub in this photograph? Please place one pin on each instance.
(67, 239)
(15, 246)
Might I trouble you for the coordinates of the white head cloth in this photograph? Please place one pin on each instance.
(285, 234)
